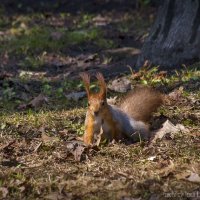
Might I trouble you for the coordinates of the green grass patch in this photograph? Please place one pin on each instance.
(39, 39)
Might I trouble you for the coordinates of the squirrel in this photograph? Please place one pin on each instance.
(128, 120)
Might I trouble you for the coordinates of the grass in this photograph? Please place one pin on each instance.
(108, 172)
(38, 144)
(39, 39)
(24, 37)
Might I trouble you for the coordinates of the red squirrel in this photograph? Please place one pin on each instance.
(130, 119)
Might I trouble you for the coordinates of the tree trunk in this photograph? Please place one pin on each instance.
(175, 37)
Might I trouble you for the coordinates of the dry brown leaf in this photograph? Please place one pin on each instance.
(76, 149)
(151, 158)
(121, 85)
(168, 127)
(79, 138)
(193, 178)
(3, 192)
(189, 176)
(174, 96)
(183, 175)
(56, 35)
(47, 139)
(165, 171)
(78, 153)
(146, 64)
(76, 96)
(35, 103)
(63, 133)
(22, 106)
(4, 75)
(7, 145)
(91, 57)
(38, 101)
(54, 196)
(154, 197)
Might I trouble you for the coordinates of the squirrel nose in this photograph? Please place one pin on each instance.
(96, 113)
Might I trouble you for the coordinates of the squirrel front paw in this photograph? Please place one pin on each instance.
(87, 139)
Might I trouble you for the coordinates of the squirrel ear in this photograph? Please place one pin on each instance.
(86, 80)
(102, 84)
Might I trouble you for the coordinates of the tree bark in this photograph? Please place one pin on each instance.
(175, 36)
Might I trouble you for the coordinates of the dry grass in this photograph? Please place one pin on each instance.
(37, 159)
(36, 162)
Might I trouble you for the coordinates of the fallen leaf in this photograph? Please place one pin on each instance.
(91, 57)
(167, 167)
(63, 133)
(38, 101)
(126, 51)
(174, 96)
(78, 153)
(58, 61)
(121, 85)
(151, 158)
(189, 176)
(146, 64)
(183, 175)
(35, 103)
(56, 35)
(130, 198)
(101, 20)
(47, 139)
(76, 149)
(22, 106)
(3, 126)
(23, 73)
(168, 127)
(3, 192)
(6, 146)
(193, 178)
(54, 196)
(154, 197)
(79, 138)
(75, 96)
(22, 188)
(4, 75)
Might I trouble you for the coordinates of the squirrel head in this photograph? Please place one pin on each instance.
(96, 101)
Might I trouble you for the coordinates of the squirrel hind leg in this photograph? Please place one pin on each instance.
(141, 132)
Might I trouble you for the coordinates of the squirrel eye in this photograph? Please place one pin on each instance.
(102, 103)
(88, 103)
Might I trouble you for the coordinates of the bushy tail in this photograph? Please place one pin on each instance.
(141, 102)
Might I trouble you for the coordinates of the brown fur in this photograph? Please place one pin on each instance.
(138, 104)
(141, 102)
(86, 81)
(89, 127)
(96, 104)
(102, 84)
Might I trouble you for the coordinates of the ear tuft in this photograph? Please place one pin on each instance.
(102, 83)
(86, 80)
